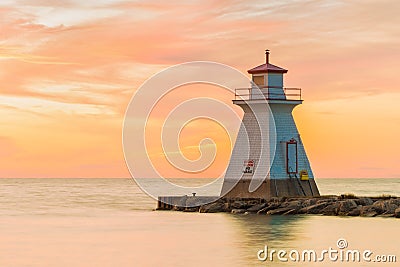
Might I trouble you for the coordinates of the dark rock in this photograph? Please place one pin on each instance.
(290, 199)
(240, 204)
(388, 206)
(386, 215)
(178, 208)
(331, 209)
(278, 211)
(213, 207)
(369, 211)
(348, 196)
(380, 206)
(324, 201)
(313, 209)
(364, 201)
(191, 209)
(294, 204)
(397, 213)
(355, 212)
(329, 198)
(369, 214)
(274, 200)
(253, 202)
(238, 211)
(257, 207)
(346, 206)
(271, 206)
(378, 210)
(282, 199)
(391, 208)
(395, 201)
(227, 207)
(309, 202)
(290, 212)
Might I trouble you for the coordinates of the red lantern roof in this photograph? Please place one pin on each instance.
(267, 67)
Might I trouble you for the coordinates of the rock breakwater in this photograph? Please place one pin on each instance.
(343, 205)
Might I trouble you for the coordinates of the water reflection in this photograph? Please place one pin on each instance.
(254, 231)
(268, 228)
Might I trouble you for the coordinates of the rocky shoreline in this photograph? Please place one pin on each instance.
(343, 205)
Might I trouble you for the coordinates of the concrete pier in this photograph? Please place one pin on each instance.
(178, 202)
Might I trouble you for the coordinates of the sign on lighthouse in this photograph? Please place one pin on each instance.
(276, 164)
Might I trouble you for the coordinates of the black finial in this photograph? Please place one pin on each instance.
(267, 56)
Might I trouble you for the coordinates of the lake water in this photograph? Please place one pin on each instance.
(111, 222)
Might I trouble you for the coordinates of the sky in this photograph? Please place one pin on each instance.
(68, 70)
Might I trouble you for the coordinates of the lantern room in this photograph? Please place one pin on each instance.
(267, 83)
(267, 75)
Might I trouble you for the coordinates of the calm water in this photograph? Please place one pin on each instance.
(110, 222)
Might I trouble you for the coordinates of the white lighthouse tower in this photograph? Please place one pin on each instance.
(275, 152)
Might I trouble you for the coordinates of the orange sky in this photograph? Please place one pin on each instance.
(68, 70)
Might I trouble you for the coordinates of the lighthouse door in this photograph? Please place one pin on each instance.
(291, 156)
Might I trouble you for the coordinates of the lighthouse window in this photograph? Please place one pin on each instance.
(259, 80)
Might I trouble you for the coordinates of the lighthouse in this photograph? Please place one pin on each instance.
(269, 158)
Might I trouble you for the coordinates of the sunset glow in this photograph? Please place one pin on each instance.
(68, 70)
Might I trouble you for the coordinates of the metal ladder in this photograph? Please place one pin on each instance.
(309, 183)
(298, 183)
